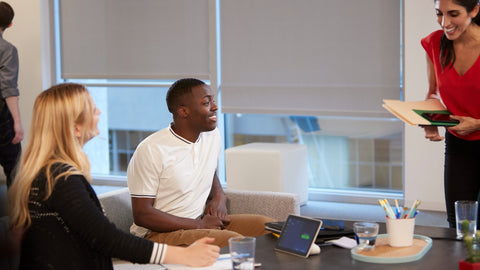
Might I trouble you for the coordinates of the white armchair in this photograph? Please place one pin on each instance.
(277, 205)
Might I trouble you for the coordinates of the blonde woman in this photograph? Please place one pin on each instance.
(52, 198)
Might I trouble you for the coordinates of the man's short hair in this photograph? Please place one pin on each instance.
(178, 90)
(6, 15)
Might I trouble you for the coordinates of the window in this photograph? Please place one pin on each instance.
(344, 152)
(129, 115)
(315, 85)
(310, 57)
(122, 145)
(317, 79)
(127, 54)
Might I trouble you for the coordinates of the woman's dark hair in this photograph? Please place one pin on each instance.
(447, 53)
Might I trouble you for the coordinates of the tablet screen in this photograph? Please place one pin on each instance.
(298, 234)
(440, 117)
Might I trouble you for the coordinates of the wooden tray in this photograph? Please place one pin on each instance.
(384, 253)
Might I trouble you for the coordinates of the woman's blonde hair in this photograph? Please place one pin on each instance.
(57, 112)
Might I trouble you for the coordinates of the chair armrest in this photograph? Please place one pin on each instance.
(117, 206)
(277, 205)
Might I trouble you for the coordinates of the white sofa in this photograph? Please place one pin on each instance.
(118, 208)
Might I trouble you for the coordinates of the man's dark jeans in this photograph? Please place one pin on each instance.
(9, 152)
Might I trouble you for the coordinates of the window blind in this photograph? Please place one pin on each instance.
(141, 39)
(310, 57)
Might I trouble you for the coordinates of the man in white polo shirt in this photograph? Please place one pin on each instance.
(176, 194)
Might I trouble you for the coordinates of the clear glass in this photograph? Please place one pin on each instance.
(242, 252)
(343, 152)
(365, 234)
(466, 213)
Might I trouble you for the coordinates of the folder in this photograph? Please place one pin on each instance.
(410, 112)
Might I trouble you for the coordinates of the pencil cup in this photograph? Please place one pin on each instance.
(400, 231)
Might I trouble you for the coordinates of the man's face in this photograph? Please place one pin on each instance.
(202, 108)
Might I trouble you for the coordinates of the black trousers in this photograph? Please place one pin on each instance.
(462, 173)
(9, 152)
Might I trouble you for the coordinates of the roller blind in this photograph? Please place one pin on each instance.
(310, 57)
(141, 39)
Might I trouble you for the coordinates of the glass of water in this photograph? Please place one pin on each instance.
(365, 234)
(466, 210)
(242, 252)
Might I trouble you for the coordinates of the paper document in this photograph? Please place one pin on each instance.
(128, 265)
(223, 263)
(405, 110)
(344, 242)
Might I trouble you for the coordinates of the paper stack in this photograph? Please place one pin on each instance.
(408, 111)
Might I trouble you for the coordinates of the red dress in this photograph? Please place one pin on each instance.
(460, 94)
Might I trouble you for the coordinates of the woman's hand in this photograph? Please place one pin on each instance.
(201, 253)
(431, 133)
(467, 124)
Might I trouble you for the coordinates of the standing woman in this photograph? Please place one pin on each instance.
(52, 198)
(453, 68)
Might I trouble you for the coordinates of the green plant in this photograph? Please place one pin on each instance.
(471, 243)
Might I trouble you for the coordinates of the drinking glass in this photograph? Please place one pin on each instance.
(466, 210)
(365, 234)
(242, 252)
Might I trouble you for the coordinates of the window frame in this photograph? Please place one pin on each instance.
(214, 30)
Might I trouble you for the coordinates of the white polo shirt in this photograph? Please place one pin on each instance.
(178, 174)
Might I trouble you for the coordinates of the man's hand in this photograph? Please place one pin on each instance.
(217, 208)
(17, 126)
(211, 222)
(12, 104)
(217, 202)
(467, 124)
(431, 133)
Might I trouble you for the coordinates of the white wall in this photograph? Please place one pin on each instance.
(25, 34)
(423, 159)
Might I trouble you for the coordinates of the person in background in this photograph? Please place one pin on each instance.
(453, 68)
(11, 131)
(53, 201)
(176, 194)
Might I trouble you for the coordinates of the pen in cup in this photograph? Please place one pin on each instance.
(388, 209)
(398, 209)
(404, 212)
(413, 210)
(399, 213)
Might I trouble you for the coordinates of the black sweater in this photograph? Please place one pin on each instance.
(70, 231)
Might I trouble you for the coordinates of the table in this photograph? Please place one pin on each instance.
(445, 253)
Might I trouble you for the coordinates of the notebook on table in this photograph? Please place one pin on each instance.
(330, 229)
